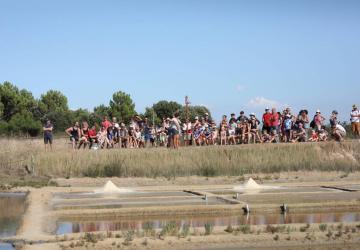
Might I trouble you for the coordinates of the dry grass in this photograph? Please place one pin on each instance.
(162, 162)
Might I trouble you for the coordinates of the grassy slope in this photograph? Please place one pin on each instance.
(203, 161)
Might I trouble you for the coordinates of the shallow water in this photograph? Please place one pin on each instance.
(12, 206)
(6, 246)
(64, 227)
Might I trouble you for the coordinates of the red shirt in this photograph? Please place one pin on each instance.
(267, 119)
(92, 133)
(106, 124)
(274, 120)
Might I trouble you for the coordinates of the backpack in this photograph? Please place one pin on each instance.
(312, 124)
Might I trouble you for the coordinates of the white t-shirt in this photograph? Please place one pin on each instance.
(355, 119)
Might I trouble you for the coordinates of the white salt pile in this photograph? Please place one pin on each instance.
(111, 188)
(252, 186)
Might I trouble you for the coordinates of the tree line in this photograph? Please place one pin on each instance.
(21, 114)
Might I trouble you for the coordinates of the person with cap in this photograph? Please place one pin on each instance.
(355, 121)
(318, 120)
(266, 120)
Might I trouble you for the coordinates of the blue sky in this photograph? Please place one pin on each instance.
(227, 55)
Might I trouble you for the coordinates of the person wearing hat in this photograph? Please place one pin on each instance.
(355, 121)
(318, 120)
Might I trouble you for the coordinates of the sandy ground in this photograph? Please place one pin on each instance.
(37, 222)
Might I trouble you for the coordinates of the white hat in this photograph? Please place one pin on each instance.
(252, 114)
(267, 108)
(196, 118)
(116, 125)
(318, 111)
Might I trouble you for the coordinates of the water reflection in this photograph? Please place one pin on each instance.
(157, 223)
(12, 206)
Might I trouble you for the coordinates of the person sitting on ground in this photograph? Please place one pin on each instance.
(355, 121)
(103, 138)
(48, 135)
(74, 133)
(254, 128)
(314, 136)
(232, 131)
(266, 138)
(92, 135)
(323, 134)
(336, 132)
(299, 134)
(84, 135)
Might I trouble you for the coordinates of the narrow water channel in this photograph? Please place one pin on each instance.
(65, 227)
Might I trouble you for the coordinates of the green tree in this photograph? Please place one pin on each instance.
(122, 106)
(99, 113)
(53, 106)
(24, 124)
(54, 101)
(15, 101)
(165, 109)
(194, 111)
(80, 115)
(152, 116)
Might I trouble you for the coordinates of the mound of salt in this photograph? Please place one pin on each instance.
(111, 188)
(251, 184)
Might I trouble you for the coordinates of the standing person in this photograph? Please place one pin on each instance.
(106, 123)
(48, 135)
(318, 120)
(275, 121)
(355, 121)
(303, 118)
(116, 129)
(254, 128)
(266, 120)
(175, 130)
(74, 133)
(187, 128)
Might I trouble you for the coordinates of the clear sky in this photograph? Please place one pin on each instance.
(226, 55)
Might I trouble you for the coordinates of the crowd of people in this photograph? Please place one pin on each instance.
(272, 127)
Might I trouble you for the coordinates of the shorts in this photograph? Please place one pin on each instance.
(187, 137)
(72, 138)
(355, 127)
(48, 139)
